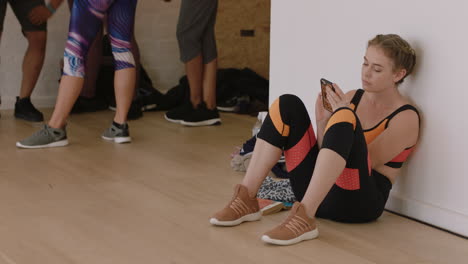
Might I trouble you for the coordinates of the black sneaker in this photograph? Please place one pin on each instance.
(25, 110)
(202, 116)
(228, 105)
(178, 114)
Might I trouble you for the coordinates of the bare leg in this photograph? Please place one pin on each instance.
(209, 84)
(194, 70)
(136, 56)
(264, 157)
(124, 85)
(328, 168)
(69, 90)
(33, 61)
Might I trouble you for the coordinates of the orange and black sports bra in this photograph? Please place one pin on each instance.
(374, 132)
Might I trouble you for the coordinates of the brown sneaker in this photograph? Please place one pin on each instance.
(241, 208)
(296, 228)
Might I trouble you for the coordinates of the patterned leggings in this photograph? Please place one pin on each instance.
(360, 193)
(86, 20)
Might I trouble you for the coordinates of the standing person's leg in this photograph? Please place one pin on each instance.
(136, 108)
(121, 20)
(195, 19)
(287, 126)
(210, 59)
(206, 113)
(33, 59)
(87, 101)
(85, 22)
(194, 71)
(136, 56)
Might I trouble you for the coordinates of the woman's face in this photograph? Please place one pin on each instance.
(377, 71)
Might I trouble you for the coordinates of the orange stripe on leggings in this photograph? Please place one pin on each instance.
(275, 116)
(295, 155)
(343, 115)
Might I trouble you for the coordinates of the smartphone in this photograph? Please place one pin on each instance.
(324, 83)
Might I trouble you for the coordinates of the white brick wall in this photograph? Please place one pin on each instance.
(155, 33)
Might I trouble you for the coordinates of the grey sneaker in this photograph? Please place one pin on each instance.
(47, 137)
(118, 135)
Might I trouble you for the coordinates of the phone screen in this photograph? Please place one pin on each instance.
(323, 85)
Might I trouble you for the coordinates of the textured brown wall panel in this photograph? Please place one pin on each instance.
(239, 52)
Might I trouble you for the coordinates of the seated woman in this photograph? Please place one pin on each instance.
(85, 23)
(345, 171)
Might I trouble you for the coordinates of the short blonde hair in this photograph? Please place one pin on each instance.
(397, 49)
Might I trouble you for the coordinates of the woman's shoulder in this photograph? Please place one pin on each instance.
(407, 115)
(350, 94)
(408, 106)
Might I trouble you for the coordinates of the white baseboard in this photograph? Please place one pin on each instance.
(8, 102)
(440, 217)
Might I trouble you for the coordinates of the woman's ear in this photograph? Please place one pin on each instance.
(398, 75)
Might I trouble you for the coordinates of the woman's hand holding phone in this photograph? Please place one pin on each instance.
(321, 115)
(336, 97)
(332, 96)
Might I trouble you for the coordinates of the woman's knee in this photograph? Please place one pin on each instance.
(342, 115)
(290, 99)
(340, 132)
(289, 104)
(37, 40)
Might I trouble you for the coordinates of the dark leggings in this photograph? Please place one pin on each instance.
(360, 193)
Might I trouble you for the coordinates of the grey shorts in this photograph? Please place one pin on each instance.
(195, 30)
(21, 8)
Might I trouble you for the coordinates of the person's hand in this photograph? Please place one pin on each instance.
(39, 15)
(337, 98)
(321, 114)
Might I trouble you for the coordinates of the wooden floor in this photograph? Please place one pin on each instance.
(149, 202)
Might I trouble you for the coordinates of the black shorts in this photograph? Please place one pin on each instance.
(21, 8)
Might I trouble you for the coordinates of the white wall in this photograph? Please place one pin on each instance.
(311, 39)
(155, 32)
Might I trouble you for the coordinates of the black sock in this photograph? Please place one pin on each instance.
(119, 126)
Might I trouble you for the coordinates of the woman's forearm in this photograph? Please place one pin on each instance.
(320, 130)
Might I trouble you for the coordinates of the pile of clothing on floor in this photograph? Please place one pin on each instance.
(239, 91)
(276, 186)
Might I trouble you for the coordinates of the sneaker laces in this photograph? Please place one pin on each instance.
(239, 206)
(42, 132)
(297, 225)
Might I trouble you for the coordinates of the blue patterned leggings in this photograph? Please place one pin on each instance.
(86, 20)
